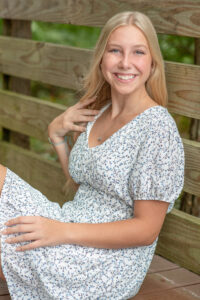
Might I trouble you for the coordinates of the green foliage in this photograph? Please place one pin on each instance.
(66, 34)
(177, 48)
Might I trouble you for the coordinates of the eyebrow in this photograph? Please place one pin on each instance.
(135, 46)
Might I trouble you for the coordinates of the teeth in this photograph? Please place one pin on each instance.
(125, 77)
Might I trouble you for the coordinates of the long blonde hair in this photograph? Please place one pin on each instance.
(94, 83)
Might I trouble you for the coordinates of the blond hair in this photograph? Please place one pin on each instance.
(96, 86)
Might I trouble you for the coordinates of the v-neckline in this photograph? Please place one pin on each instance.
(91, 124)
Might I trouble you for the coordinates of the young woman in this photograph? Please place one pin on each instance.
(127, 164)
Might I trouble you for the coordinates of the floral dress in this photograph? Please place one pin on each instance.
(144, 160)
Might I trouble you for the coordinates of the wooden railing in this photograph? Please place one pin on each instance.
(23, 60)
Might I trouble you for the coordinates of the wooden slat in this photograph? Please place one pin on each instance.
(188, 292)
(183, 89)
(179, 240)
(192, 167)
(5, 297)
(46, 176)
(31, 116)
(179, 17)
(3, 288)
(159, 264)
(166, 280)
(27, 115)
(53, 64)
(65, 66)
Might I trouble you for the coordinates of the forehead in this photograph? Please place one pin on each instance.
(127, 35)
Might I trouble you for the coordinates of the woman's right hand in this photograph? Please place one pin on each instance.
(75, 118)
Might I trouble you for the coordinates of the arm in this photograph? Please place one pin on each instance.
(62, 151)
(142, 230)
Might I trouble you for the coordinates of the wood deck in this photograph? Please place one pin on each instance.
(164, 281)
(168, 281)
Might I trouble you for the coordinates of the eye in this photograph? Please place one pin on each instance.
(114, 50)
(140, 52)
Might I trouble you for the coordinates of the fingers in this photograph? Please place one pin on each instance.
(90, 112)
(21, 238)
(84, 119)
(78, 128)
(29, 246)
(18, 229)
(21, 220)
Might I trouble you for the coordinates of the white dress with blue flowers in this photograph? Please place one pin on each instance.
(144, 160)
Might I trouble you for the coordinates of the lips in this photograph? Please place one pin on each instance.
(125, 77)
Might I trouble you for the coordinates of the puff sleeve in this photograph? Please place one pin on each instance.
(158, 172)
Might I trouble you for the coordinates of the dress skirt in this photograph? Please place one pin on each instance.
(67, 271)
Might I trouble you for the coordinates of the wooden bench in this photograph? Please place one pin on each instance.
(23, 60)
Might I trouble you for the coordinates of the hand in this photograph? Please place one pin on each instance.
(67, 120)
(36, 230)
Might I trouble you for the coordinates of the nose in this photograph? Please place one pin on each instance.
(125, 61)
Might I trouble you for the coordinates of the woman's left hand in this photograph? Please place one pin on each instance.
(36, 230)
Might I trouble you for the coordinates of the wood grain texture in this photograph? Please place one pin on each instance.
(53, 64)
(22, 29)
(3, 288)
(181, 17)
(46, 176)
(5, 297)
(179, 240)
(183, 89)
(160, 264)
(192, 167)
(188, 292)
(66, 66)
(27, 115)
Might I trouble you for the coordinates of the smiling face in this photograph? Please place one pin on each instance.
(126, 63)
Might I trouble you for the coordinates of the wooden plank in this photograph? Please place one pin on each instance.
(192, 167)
(179, 17)
(53, 64)
(183, 89)
(191, 292)
(28, 115)
(179, 240)
(161, 264)
(22, 29)
(5, 297)
(3, 288)
(66, 66)
(44, 175)
(167, 280)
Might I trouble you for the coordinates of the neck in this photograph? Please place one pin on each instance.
(123, 105)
